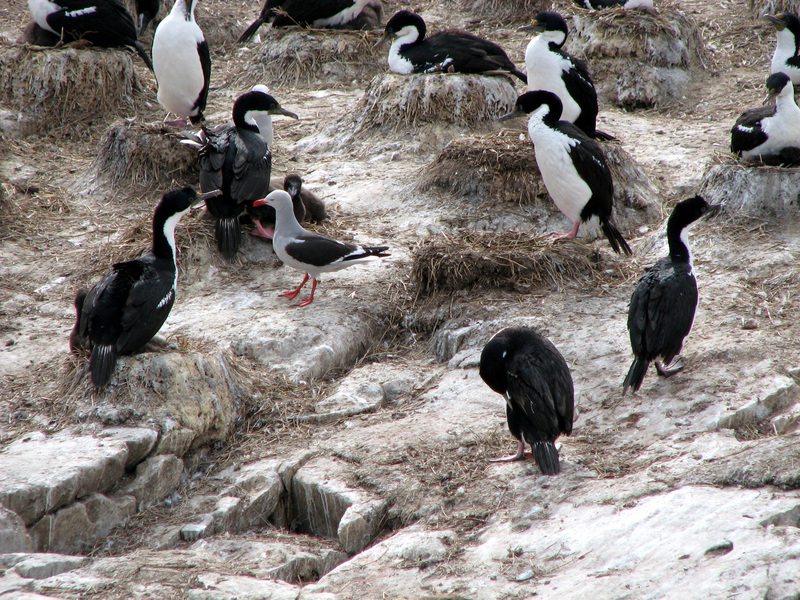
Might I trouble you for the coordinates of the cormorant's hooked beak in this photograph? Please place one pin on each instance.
(386, 37)
(512, 115)
(712, 211)
(282, 111)
(203, 197)
(771, 96)
(777, 21)
(142, 25)
(534, 26)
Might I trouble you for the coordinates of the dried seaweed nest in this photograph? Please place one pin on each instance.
(511, 260)
(67, 84)
(143, 154)
(639, 58)
(406, 102)
(293, 56)
(501, 167)
(508, 10)
(771, 194)
(760, 8)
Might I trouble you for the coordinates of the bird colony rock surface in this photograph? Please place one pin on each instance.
(639, 59)
(768, 193)
(301, 57)
(64, 83)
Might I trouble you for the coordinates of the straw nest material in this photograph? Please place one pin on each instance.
(143, 154)
(68, 83)
(508, 10)
(501, 167)
(292, 56)
(771, 194)
(770, 7)
(510, 260)
(639, 59)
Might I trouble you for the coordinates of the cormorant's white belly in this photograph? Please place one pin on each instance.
(342, 17)
(544, 70)
(564, 184)
(784, 50)
(177, 67)
(399, 63)
(783, 131)
(40, 9)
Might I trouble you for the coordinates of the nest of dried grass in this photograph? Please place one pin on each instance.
(501, 167)
(296, 57)
(640, 59)
(508, 10)
(143, 154)
(67, 85)
(769, 7)
(511, 260)
(767, 193)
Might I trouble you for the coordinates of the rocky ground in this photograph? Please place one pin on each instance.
(341, 450)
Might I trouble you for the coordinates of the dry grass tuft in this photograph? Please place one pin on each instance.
(67, 84)
(640, 59)
(143, 154)
(393, 102)
(500, 260)
(508, 10)
(296, 57)
(760, 8)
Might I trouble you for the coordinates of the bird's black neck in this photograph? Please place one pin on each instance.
(240, 109)
(678, 244)
(163, 246)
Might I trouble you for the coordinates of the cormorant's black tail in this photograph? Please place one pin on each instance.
(519, 74)
(615, 237)
(229, 234)
(101, 364)
(603, 136)
(251, 31)
(546, 456)
(143, 53)
(635, 375)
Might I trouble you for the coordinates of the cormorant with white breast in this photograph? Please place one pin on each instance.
(786, 58)
(550, 68)
(182, 63)
(238, 161)
(625, 4)
(146, 11)
(127, 308)
(104, 23)
(573, 166)
(310, 252)
(450, 51)
(307, 206)
(770, 134)
(663, 304)
(349, 14)
(529, 371)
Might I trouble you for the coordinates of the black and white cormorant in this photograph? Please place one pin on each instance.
(770, 134)
(146, 11)
(307, 206)
(533, 377)
(625, 4)
(550, 68)
(104, 23)
(182, 63)
(345, 14)
(126, 309)
(310, 252)
(238, 161)
(447, 51)
(786, 58)
(664, 302)
(573, 166)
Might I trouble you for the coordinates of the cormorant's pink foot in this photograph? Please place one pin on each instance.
(261, 231)
(571, 234)
(520, 455)
(670, 369)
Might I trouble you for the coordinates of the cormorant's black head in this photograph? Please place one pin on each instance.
(168, 213)
(493, 361)
(532, 101)
(785, 20)
(257, 103)
(401, 24)
(776, 83)
(179, 201)
(292, 184)
(146, 11)
(551, 23)
(690, 210)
